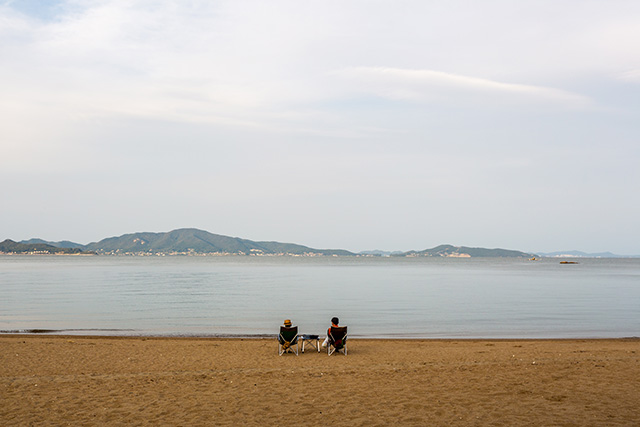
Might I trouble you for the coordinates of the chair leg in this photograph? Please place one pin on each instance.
(282, 350)
(331, 350)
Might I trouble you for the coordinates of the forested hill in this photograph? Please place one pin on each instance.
(62, 244)
(191, 240)
(465, 252)
(10, 247)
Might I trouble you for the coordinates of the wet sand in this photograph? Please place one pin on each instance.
(56, 380)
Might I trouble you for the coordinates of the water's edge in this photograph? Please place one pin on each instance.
(130, 333)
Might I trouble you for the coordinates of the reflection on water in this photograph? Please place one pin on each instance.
(377, 297)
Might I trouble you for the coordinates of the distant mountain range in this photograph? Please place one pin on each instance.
(187, 241)
(11, 247)
(191, 241)
(62, 244)
(578, 254)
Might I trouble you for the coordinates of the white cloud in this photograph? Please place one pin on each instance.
(632, 76)
(430, 85)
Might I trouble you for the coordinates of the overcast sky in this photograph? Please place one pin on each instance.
(360, 125)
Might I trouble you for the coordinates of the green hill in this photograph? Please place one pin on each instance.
(191, 240)
(465, 252)
(62, 244)
(11, 247)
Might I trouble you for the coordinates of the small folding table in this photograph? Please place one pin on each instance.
(313, 340)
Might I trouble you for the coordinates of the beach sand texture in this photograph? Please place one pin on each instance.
(55, 380)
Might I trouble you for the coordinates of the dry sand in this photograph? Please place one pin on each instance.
(53, 380)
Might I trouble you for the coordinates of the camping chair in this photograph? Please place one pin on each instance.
(287, 339)
(337, 340)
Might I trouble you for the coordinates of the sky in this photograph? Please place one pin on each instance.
(359, 125)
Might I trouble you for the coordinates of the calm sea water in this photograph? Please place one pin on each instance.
(375, 297)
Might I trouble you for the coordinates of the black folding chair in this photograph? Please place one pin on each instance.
(287, 339)
(337, 340)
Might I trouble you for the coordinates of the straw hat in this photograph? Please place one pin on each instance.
(287, 322)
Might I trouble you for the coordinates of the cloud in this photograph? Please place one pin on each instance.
(395, 107)
(431, 85)
(631, 76)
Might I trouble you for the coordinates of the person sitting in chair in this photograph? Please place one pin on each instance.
(334, 323)
(286, 344)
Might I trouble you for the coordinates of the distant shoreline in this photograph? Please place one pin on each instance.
(355, 256)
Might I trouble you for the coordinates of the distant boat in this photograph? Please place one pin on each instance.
(569, 262)
(534, 259)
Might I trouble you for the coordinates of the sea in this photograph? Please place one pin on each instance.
(381, 297)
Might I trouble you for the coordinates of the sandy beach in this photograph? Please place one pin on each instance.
(56, 380)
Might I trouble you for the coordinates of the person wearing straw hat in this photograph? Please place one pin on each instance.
(286, 344)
